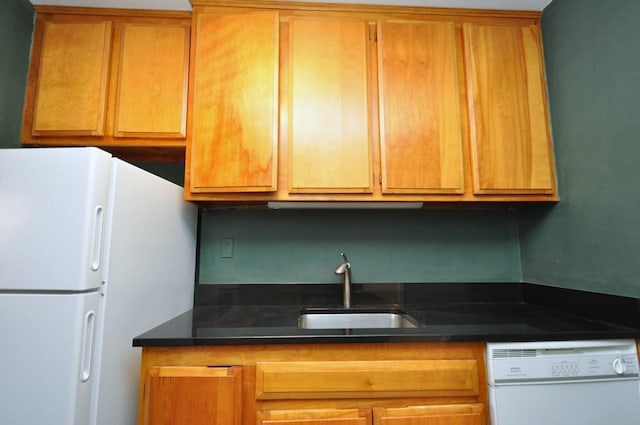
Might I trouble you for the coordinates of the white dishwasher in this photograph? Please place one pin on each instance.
(564, 383)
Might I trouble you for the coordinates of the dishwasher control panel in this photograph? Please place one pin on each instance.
(566, 360)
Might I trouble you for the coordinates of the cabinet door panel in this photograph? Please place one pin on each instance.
(456, 414)
(510, 140)
(330, 144)
(193, 395)
(421, 135)
(72, 79)
(366, 379)
(152, 84)
(234, 146)
(315, 417)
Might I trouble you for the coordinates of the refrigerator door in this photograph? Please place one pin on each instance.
(52, 207)
(48, 342)
(149, 278)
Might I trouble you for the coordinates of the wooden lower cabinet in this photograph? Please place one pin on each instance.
(453, 414)
(315, 384)
(363, 379)
(315, 417)
(192, 395)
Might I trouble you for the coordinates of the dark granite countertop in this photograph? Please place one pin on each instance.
(268, 314)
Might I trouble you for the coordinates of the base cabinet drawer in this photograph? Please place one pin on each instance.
(315, 417)
(453, 414)
(366, 379)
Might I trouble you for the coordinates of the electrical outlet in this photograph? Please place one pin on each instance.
(227, 248)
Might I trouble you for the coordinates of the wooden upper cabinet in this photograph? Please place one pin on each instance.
(510, 138)
(303, 102)
(312, 383)
(234, 145)
(153, 81)
(111, 78)
(193, 395)
(328, 113)
(72, 80)
(420, 125)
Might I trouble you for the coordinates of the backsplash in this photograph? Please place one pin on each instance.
(303, 246)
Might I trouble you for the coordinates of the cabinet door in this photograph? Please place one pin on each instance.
(420, 130)
(455, 414)
(510, 139)
(329, 125)
(72, 79)
(234, 146)
(153, 81)
(315, 417)
(193, 395)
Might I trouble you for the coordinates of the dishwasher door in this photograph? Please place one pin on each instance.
(564, 383)
(603, 402)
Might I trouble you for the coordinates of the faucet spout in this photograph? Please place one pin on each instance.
(345, 269)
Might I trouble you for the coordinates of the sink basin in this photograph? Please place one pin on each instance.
(340, 318)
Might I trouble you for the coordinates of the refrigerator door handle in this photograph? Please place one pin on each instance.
(87, 346)
(96, 239)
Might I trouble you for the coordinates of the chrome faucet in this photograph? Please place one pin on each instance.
(345, 269)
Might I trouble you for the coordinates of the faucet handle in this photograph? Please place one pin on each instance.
(344, 256)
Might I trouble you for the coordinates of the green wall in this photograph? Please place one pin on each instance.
(16, 27)
(172, 171)
(302, 246)
(591, 239)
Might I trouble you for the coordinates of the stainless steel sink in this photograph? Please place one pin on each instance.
(341, 318)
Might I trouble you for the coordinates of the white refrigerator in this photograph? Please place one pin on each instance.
(93, 252)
